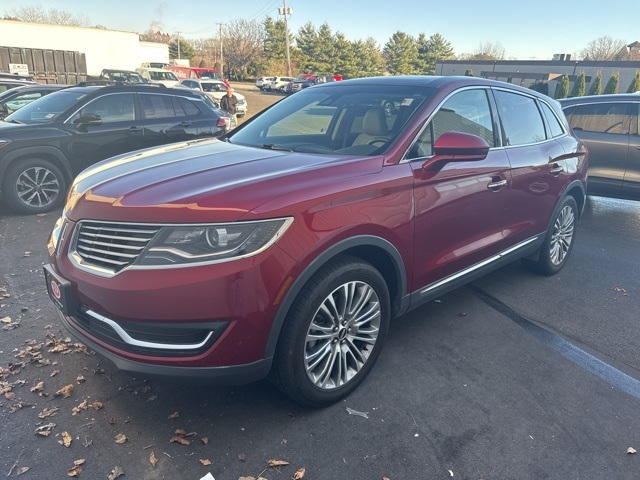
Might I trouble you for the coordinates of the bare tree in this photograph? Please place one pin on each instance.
(604, 48)
(36, 14)
(243, 46)
(486, 51)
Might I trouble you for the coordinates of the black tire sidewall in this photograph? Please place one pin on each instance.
(290, 355)
(9, 185)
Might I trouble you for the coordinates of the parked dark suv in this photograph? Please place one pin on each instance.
(46, 143)
(609, 127)
(287, 248)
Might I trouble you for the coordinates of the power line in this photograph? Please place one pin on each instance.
(264, 10)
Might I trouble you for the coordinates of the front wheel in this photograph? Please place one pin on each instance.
(333, 333)
(33, 186)
(559, 240)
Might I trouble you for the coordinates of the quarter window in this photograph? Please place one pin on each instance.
(157, 106)
(554, 124)
(601, 118)
(521, 120)
(467, 112)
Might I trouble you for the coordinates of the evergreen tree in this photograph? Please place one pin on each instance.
(400, 52)
(421, 62)
(344, 63)
(437, 49)
(468, 73)
(307, 42)
(612, 84)
(562, 87)
(596, 85)
(274, 58)
(325, 61)
(579, 86)
(634, 86)
(186, 50)
(368, 59)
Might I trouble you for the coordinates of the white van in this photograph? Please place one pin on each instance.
(158, 75)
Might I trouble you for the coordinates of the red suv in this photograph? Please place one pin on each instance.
(286, 248)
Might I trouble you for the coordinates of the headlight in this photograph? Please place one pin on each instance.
(200, 244)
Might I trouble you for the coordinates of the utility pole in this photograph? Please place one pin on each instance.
(286, 12)
(220, 24)
(178, 45)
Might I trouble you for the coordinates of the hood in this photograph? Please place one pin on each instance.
(197, 181)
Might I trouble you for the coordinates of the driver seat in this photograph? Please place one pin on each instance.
(374, 128)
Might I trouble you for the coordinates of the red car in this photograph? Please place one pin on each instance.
(286, 248)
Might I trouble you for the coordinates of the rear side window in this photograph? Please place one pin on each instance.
(600, 118)
(185, 108)
(554, 124)
(521, 119)
(156, 106)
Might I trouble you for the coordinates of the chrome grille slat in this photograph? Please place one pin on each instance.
(110, 245)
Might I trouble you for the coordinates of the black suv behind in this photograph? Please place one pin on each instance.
(46, 143)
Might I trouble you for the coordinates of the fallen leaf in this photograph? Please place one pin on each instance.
(205, 462)
(5, 319)
(450, 473)
(247, 478)
(38, 388)
(242, 457)
(173, 415)
(205, 440)
(27, 253)
(48, 412)
(79, 462)
(299, 475)
(121, 438)
(115, 473)
(277, 463)
(45, 430)
(152, 459)
(66, 439)
(97, 405)
(22, 470)
(65, 391)
(54, 373)
(631, 450)
(80, 378)
(112, 421)
(351, 411)
(180, 439)
(10, 395)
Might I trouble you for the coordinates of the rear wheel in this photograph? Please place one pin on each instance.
(559, 240)
(34, 185)
(333, 334)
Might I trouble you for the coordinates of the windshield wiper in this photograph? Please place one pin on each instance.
(271, 146)
(16, 121)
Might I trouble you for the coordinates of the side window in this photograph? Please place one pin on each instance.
(185, 108)
(601, 118)
(467, 112)
(552, 120)
(156, 106)
(521, 119)
(117, 107)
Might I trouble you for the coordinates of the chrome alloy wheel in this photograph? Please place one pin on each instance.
(562, 235)
(37, 187)
(342, 335)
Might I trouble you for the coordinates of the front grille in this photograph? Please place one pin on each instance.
(111, 245)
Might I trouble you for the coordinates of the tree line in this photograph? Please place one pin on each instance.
(579, 86)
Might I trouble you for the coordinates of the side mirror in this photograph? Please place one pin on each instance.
(84, 122)
(456, 147)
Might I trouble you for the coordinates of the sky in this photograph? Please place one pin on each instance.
(527, 30)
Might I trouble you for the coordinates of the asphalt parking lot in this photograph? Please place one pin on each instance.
(514, 376)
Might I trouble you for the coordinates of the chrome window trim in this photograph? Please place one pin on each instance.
(80, 264)
(129, 340)
(472, 268)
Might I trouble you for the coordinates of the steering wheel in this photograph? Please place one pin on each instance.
(378, 141)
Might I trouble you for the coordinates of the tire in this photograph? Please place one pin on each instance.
(559, 240)
(34, 185)
(304, 367)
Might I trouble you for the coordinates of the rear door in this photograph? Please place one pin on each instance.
(604, 129)
(631, 181)
(162, 124)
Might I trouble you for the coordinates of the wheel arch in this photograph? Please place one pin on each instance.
(375, 250)
(49, 153)
(577, 191)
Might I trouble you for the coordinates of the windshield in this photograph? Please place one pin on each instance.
(347, 120)
(213, 75)
(162, 76)
(47, 108)
(213, 87)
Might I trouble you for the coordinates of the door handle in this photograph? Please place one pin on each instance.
(184, 124)
(557, 169)
(637, 147)
(496, 184)
(135, 129)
